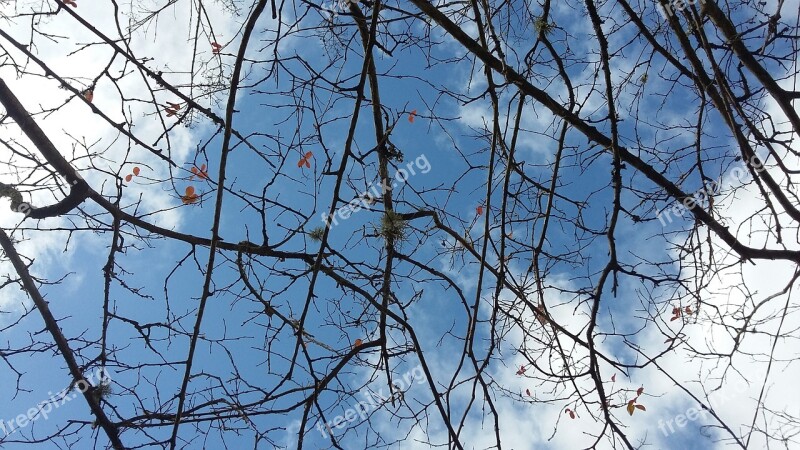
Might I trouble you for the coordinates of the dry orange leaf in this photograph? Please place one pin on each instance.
(411, 116)
(304, 160)
(71, 3)
(136, 171)
(129, 178)
(357, 343)
(215, 48)
(479, 210)
(172, 109)
(190, 196)
(199, 172)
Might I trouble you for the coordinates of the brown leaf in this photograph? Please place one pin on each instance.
(190, 197)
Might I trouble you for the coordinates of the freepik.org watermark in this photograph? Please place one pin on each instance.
(333, 8)
(100, 379)
(712, 188)
(732, 391)
(668, 8)
(374, 401)
(374, 192)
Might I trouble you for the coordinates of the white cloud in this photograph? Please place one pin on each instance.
(73, 124)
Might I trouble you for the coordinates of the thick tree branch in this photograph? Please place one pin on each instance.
(61, 341)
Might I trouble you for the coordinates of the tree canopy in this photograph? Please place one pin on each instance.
(375, 224)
